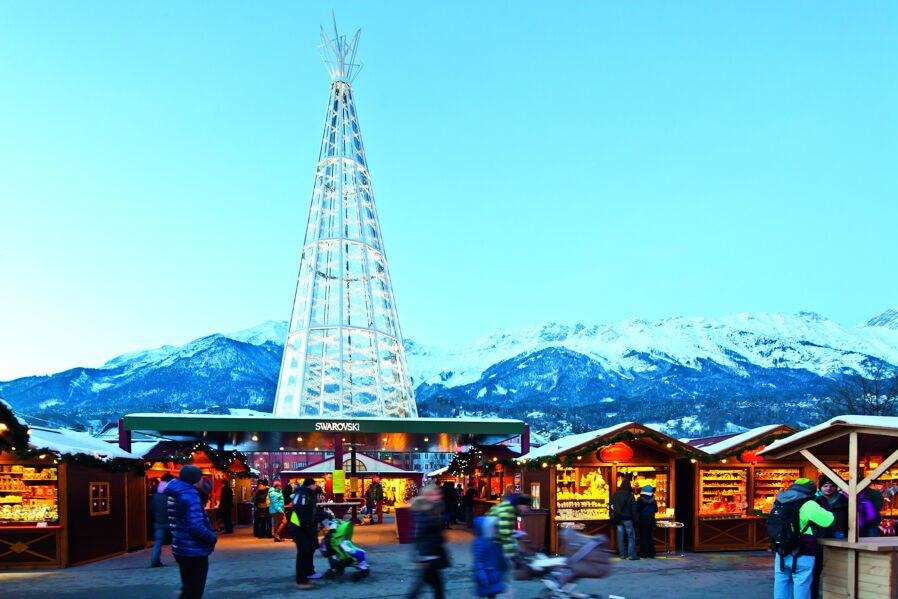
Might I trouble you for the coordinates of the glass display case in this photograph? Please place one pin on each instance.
(768, 482)
(582, 493)
(723, 492)
(656, 476)
(29, 495)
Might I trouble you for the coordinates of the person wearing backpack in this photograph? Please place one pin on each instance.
(793, 524)
(623, 514)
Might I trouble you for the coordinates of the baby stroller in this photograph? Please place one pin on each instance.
(584, 557)
(337, 547)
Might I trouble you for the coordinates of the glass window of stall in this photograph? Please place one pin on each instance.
(29, 495)
(657, 477)
(768, 482)
(723, 492)
(582, 493)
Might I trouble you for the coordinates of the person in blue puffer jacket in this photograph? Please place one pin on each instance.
(192, 536)
(489, 560)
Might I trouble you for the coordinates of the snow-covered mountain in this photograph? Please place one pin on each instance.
(689, 374)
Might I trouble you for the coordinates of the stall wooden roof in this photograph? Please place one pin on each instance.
(75, 442)
(736, 442)
(574, 442)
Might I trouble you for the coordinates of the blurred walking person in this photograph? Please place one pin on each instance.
(489, 564)
(449, 500)
(430, 550)
(305, 533)
(468, 503)
(192, 537)
(261, 515)
(226, 507)
(159, 507)
(276, 509)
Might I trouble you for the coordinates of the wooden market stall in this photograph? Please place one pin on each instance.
(733, 491)
(574, 477)
(67, 498)
(220, 466)
(856, 566)
(398, 484)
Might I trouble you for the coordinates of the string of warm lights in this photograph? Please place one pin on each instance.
(464, 462)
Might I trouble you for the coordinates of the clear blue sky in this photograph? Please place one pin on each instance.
(531, 162)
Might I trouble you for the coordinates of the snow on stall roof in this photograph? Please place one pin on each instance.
(572, 442)
(74, 442)
(438, 472)
(734, 440)
(869, 421)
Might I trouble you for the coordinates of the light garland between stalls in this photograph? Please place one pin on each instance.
(464, 462)
(221, 460)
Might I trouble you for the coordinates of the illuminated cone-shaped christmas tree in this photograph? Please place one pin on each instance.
(344, 354)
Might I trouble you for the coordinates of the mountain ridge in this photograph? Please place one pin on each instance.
(686, 373)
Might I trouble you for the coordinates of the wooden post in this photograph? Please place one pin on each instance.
(825, 469)
(338, 462)
(124, 436)
(852, 514)
(525, 440)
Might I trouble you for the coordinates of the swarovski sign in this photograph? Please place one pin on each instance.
(337, 427)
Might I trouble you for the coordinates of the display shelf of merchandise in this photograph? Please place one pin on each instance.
(886, 480)
(582, 494)
(768, 482)
(28, 495)
(723, 492)
(656, 477)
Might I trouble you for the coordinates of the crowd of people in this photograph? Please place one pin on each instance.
(801, 514)
(804, 513)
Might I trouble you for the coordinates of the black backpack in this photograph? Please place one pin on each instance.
(784, 529)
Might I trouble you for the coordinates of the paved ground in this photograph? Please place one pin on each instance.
(244, 567)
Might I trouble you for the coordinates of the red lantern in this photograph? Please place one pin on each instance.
(619, 452)
(748, 456)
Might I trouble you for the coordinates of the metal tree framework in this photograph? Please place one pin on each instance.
(344, 355)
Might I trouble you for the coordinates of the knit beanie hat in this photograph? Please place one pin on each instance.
(308, 482)
(806, 482)
(277, 484)
(823, 480)
(190, 474)
(648, 490)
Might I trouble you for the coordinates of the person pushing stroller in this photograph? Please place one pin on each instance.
(338, 548)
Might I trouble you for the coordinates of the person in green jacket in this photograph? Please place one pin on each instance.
(507, 511)
(793, 574)
(276, 509)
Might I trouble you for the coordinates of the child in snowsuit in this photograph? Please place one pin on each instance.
(489, 561)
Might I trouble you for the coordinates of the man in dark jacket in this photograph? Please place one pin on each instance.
(159, 508)
(831, 500)
(226, 507)
(623, 514)
(192, 536)
(305, 533)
